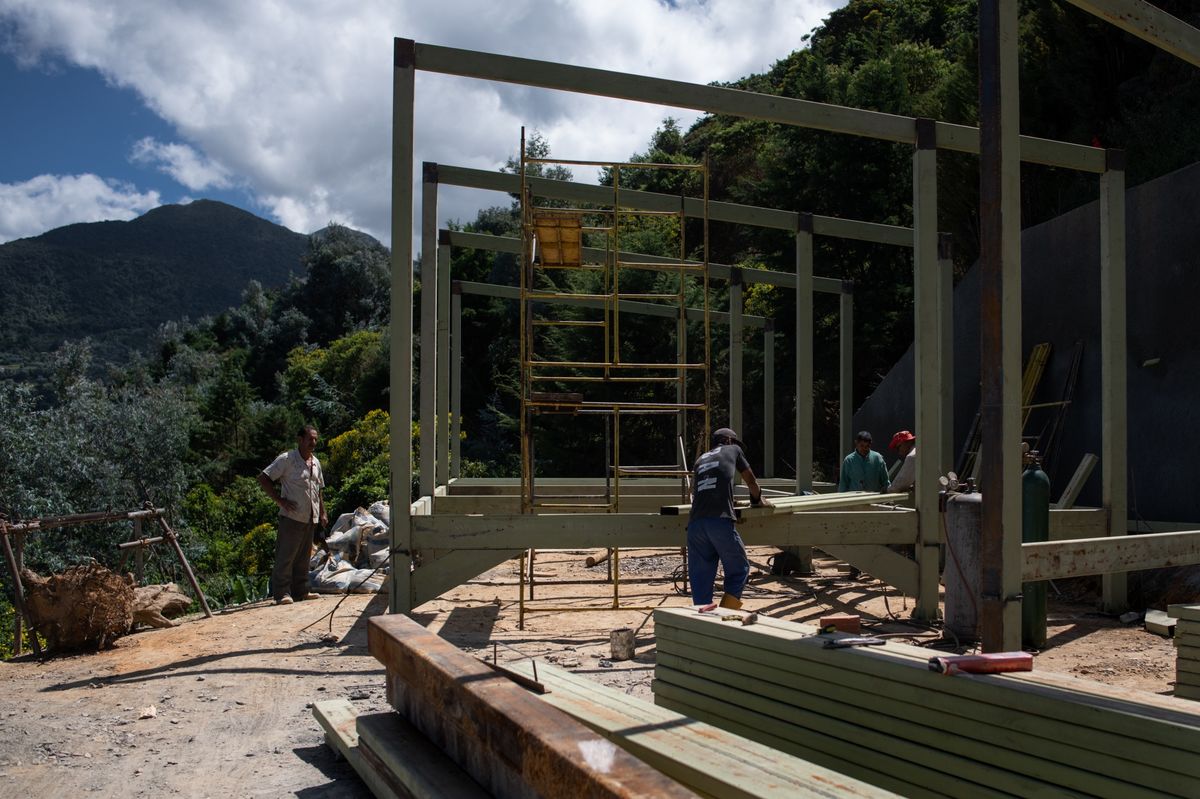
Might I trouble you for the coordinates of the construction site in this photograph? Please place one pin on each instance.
(536, 635)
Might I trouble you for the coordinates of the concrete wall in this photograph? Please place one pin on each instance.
(1061, 305)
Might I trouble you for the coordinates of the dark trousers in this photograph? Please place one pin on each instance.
(711, 541)
(293, 549)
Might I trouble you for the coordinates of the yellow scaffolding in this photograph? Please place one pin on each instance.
(553, 239)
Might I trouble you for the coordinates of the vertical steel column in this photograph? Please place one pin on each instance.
(946, 304)
(400, 587)
(429, 312)
(845, 370)
(736, 334)
(1000, 326)
(927, 359)
(1113, 407)
(804, 351)
(442, 404)
(455, 354)
(769, 398)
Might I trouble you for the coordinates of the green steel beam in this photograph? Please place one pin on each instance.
(734, 213)
(734, 102)
(1150, 23)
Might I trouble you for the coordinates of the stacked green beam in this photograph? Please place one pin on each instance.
(1187, 650)
(881, 716)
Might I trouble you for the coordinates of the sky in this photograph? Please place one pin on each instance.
(109, 108)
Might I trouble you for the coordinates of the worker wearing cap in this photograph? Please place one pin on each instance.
(863, 469)
(905, 444)
(711, 536)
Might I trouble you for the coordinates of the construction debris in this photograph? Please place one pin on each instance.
(355, 556)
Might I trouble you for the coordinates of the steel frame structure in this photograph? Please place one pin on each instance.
(1001, 148)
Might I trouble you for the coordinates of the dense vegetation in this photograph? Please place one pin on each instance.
(206, 404)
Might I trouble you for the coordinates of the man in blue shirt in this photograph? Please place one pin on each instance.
(863, 469)
(711, 536)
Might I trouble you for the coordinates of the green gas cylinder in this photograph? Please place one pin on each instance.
(1035, 526)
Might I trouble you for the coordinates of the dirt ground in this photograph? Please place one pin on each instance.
(232, 695)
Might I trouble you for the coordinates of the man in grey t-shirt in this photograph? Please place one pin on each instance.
(711, 536)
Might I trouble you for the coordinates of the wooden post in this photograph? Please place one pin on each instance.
(1113, 405)
(946, 366)
(400, 393)
(14, 568)
(139, 558)
(169, 534)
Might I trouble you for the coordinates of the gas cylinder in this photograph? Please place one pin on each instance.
(1035, 526)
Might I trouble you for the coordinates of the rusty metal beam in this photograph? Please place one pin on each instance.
(1054, 560)
(510, 741)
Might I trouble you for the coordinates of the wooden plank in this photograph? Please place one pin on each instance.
(408, 759)
(1186, 640)
(706, 759)
(338, 718)
(1149, 23)
(970, 760)
(734, 102)
(887, 706)
(1054, 560)
(792, 504)
(1126, 712)
(1187, 692)
(770, 733)
(508, 740)
(1184, 612)
(879, 561)
(1159, 623)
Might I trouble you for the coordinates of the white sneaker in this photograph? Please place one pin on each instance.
(284, 600)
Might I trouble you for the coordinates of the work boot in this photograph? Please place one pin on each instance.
(731, 602)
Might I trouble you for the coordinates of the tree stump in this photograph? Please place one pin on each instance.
(85, 607)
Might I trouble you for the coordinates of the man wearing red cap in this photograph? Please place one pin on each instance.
(905, 443)
(711, 536)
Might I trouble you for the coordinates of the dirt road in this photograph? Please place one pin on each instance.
(231, 695)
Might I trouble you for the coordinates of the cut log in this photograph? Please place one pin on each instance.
(154, 604)
(85, 607)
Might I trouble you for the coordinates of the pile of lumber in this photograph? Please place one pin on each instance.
(1187, 650)
(880, 715)
(707, 759)
(462, 729)
(795, 504)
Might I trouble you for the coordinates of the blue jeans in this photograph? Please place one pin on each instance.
(710, 540)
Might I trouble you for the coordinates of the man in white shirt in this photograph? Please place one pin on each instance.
(301, 509)
(905, 443)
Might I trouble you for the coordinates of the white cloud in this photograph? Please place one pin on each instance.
(294, 99)
(49, 201)
(182, 163)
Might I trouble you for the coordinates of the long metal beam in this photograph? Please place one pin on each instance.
(1054, 560)
(572, 531)
(1150, 23)
(735, 102)
(754, 216)
(786, 280)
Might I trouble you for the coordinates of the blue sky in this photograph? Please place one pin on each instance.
(112, 107)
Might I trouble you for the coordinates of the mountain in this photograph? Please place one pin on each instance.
(118, 281)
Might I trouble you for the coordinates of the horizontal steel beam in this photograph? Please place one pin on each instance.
(734, 213)
(628, 306)
(576, 531)
(734, 102)
(1150, 23)
(1055, 560)
(787, 280)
